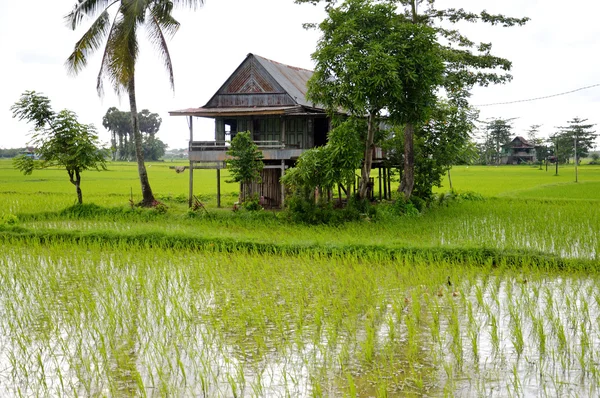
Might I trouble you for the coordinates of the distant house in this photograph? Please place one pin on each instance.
(268, 99)
(518, 151)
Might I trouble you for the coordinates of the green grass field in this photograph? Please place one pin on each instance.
(470, 298)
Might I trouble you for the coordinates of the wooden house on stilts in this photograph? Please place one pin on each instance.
(268, 99)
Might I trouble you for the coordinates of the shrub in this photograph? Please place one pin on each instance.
(252, 204)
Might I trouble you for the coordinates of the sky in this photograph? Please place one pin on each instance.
(557, 51)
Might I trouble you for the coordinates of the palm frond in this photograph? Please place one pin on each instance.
(162, 14)
(157, 38)
(193, 4)
(122, 52)
(89, 8)
(105, 60)
(91, 40)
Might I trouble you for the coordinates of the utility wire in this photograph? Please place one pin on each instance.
(540, 98)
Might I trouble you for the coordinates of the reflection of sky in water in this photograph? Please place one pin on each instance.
(62, 348)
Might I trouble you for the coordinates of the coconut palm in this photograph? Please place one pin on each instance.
(115, 26)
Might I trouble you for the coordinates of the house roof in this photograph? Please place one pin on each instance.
(519, 142)
(293, 80)
(259, 86)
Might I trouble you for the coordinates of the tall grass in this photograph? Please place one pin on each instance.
(98, 319)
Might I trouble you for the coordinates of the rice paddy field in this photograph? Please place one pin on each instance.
(496, 297)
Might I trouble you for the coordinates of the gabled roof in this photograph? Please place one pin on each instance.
(259, 86)
(519, 142)
(293, 80)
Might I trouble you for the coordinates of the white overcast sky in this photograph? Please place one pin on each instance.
(557, 51)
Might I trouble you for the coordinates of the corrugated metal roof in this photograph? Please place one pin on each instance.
(239, 111)
(293, 79)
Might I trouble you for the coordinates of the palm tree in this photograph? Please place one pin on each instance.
(119, 33)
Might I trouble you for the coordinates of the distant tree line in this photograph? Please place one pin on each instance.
(559, 147)
(11, 152)
(122, 137)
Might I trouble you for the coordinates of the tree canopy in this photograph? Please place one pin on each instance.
(245, 163)
(122, 138)
(464, 62)
(576, 133)
(371, 61)
(59, 140)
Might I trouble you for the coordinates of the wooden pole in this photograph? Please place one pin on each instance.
(380, 182)
(191, 187)
(384, 184)
(389, 185)
(575, 144)
(218, 187)
(282, 184)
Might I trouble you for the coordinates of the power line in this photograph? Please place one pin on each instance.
(540, 98)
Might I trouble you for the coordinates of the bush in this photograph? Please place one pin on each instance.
(305, 211)
(403, 208)
(252, 204)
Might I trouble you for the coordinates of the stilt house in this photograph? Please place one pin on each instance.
(268, 99)
(518, 151)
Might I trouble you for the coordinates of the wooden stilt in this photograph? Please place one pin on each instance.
(282, 184)
(218, 187)
(389, 185)
(379, 183)
(191, 187)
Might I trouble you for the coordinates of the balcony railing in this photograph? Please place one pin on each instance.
(224, 145)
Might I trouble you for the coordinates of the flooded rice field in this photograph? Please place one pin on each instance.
(97, 321)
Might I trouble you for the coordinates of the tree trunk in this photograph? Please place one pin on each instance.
(78, 187)
(75, 179)
(147, 196)
(408, 176)
(368, 158)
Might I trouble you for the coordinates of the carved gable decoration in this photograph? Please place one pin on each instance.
(251, 85)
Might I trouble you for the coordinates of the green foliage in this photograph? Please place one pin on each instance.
(122, 140)
(576, 130)
(11, 152)
(497, 133)
(252, 204)
(325, 167)
(245, 163)
(60, 140)
(443, 141)
(306, 211)
(9, 219)
(370, 60)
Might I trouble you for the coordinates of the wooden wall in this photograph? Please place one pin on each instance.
(269, 189)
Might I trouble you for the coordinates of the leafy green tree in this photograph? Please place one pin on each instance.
(59, 140)
(119, 33)
(371, 60)
(577, 133)
(541, 150)
(323, 167)
(498, 134)
(466, 63)
(441, 142)
(245, 163)
(154, 148)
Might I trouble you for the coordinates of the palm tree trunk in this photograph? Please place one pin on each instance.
(366, 169)
(408, 176)
(147, 196)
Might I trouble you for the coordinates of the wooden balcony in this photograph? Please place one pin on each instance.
(216, 151)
